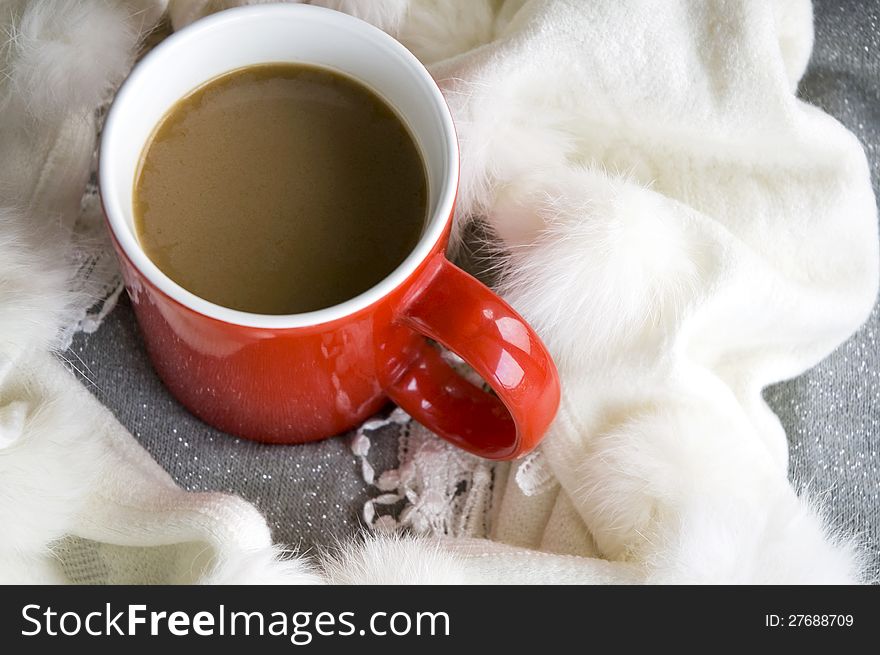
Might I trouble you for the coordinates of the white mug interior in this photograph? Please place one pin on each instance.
(262, 34)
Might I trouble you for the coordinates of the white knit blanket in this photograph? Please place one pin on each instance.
(680, 228)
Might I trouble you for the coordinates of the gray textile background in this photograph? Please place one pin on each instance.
(313, 494)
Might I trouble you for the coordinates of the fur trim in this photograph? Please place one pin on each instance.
(387, 15)
(68, 55)
(390, 559)
(265, 566)
(627, 269)
(33, 306)
(685, 490)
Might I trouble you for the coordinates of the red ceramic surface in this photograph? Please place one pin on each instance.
(302, 384)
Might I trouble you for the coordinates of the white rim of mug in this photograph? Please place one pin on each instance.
(433, 231)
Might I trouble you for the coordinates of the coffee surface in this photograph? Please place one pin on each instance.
(279, 189)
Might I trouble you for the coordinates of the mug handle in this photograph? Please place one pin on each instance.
(459, 312)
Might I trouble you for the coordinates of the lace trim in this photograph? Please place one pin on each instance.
(533, 475)
(437, 489)
(97, 277)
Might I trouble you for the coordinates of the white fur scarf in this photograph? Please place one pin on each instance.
(678, 226)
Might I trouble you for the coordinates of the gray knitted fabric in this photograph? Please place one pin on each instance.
(312, 494)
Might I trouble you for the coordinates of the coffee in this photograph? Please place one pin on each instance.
(279, 189)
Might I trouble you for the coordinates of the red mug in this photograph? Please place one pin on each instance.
(302, 377)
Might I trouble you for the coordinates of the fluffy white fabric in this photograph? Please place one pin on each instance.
(678, 226)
